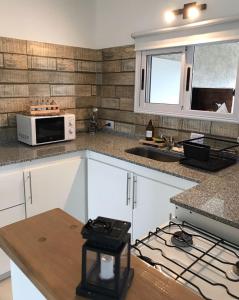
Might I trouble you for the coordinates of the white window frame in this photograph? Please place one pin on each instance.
(142, 84)
(183, 109)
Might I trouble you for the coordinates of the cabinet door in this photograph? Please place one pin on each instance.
(9, 216)
(59, 184)
(108, 192)
(152, 205)
(11, 187)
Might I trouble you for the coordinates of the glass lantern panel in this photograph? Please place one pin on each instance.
(91, 265)
(124, 264)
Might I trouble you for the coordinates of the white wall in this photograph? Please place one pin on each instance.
(76, 23)
(117, 19)
(69, 22)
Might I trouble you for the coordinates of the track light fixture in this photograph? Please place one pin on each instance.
(189, 11)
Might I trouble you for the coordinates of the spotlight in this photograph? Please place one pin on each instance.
(193, 12)
(169, 16)
(189, 11)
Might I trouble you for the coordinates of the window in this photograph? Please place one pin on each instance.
(162, 80)
(198, 81)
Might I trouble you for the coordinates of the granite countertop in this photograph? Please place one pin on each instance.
(216, 195)
(217, 198)
(104, 143)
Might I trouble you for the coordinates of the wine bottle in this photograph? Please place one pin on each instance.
(149, 131)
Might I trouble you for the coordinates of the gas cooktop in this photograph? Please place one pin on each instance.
(194, 257)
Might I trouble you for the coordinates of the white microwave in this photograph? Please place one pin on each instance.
(38, 130)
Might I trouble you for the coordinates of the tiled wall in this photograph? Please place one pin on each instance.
(77, 79)
(116, 97)
(31, 70)
(116, 93)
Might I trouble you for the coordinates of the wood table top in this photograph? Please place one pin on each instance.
(47, 248)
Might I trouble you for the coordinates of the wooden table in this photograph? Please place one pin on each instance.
(47, 248)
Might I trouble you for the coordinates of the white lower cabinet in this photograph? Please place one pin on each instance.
(11, 186)
(108, 192)
(56, 183)
(138, 195)
(151, 206)
(34, 187)
(7, 217)
(12, 204)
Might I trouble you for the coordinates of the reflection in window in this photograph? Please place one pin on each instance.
(214, 77)
(165, 78)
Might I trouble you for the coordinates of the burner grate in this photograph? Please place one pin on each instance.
(214, 240)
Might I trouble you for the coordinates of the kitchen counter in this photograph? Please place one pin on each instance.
(216, 196)
(47, 248)
(109, 144)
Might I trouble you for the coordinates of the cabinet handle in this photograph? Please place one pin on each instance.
(128, 189)
(30, 182)
(142, 79)
(24, 186)
(188, 79)
(134, 191)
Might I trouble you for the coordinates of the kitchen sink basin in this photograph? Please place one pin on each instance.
(155, 154)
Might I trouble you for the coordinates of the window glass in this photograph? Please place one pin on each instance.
(214, 77)
(165, 78)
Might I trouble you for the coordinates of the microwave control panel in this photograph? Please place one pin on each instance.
(70, 127)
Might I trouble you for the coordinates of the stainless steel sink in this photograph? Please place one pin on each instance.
(155, 154)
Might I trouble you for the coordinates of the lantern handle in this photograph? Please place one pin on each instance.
(97, 225)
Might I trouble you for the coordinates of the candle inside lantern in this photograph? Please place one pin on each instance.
(106, 267)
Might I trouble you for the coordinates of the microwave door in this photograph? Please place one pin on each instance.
(50, 130)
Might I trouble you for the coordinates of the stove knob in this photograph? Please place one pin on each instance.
(70, 131)
(70, 124)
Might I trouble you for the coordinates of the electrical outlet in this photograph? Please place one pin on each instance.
(110, 124)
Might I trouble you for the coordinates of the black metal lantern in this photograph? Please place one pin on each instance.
(106, 272)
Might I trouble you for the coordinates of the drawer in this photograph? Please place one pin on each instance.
(12, 215)
(8, 217)
(11, 187)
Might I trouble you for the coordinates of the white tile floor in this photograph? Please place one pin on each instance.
(5, 289)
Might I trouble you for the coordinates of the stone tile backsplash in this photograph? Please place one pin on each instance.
(31, 70)
(78, 79)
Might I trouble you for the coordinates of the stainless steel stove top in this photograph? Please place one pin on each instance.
(194, 257)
